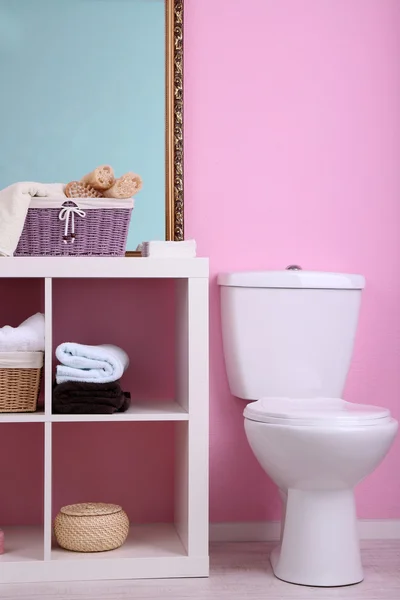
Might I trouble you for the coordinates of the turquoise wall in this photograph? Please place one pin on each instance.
(83, 84)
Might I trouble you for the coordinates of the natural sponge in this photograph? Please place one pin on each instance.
(101, 178)
(125, 187)
(77, 189)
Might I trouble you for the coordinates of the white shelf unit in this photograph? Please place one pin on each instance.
(164, 550)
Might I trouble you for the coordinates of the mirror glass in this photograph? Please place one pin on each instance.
(83, 84)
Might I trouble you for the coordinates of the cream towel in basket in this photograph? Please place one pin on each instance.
(14, 203)
(93, 364)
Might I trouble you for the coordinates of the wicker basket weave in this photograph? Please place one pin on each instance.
(97, 231)
(19, 386)
(91, 527)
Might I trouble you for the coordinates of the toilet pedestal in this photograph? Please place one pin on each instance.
(319, 540)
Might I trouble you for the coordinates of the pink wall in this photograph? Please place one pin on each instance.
(292, 133)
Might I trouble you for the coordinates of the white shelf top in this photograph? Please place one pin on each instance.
(28, 417)
(144, 541)
(98, 267)
(146, 410)
(22, 544)
(151, 410)
(159, 540)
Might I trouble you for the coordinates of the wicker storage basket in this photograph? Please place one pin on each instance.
(91, 527)
(78, 227)
(20, 374)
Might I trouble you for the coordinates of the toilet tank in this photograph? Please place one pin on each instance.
(288, 333)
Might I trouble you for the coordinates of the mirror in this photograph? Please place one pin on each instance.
(93, 82)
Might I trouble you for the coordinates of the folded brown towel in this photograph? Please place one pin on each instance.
(73, 397)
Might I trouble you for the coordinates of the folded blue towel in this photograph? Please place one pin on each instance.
(93, 364)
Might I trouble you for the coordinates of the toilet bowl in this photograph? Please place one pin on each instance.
(316, 451)
(288, 339)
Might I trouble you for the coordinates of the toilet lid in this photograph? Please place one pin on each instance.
(315, 411)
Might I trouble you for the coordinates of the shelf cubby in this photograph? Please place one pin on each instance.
(22, 492)
(130, 464)
(15, 309)
(134, 314)
(142, 482)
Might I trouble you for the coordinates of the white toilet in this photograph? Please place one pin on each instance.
(288, 340)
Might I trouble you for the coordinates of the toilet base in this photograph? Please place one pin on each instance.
(319, 541)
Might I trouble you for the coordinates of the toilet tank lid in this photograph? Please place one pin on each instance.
(292, 279)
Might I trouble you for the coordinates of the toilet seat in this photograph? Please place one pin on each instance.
(317, 412)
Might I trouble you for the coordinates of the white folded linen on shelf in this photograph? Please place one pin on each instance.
(93, 364)
(168, 249)
(27, 337)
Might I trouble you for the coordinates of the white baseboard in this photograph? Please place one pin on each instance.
(268, 531)
(252, 531)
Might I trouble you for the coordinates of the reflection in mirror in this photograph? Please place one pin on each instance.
(83, 84)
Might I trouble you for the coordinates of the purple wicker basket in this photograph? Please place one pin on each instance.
(82, 227)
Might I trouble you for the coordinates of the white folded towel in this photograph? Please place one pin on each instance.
(14, 204)
(164, 249)
(27, 337)
(93, 364)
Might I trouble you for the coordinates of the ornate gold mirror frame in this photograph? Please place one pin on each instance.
(174, 217)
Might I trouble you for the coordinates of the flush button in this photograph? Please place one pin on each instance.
(293, 268)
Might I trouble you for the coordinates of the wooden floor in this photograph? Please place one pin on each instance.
(238, 572)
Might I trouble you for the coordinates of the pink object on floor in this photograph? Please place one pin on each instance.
(1, 542)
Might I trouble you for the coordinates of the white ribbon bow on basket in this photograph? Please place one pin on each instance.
(67, 213)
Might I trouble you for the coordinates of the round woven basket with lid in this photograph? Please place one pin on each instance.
(91, 527)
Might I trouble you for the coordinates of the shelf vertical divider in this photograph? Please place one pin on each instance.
(47, 489)
(48, 349)
(181, 516)
(48, 371)
(198, 440)
(192, 393)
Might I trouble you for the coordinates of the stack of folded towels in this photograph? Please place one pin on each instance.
(87, 380)
(27, 337)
